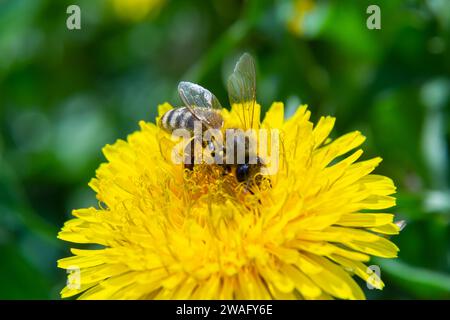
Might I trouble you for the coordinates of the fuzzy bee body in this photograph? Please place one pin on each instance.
(202, 108)
(183, 118)
(179, 118)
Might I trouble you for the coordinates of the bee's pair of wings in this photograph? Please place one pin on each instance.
(241, 92)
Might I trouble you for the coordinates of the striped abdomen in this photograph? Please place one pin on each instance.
(182, 118)
(179, 118)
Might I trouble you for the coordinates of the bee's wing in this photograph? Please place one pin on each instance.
(195, 96)
(242, 89)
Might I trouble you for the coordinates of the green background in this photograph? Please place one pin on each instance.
(66, 93)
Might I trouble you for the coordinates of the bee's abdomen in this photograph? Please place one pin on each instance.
(179, 118)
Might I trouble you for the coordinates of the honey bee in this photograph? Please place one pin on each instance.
(201, 105)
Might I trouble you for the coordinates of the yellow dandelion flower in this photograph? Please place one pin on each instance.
(169, 233)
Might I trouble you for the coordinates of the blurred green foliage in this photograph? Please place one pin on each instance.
(66, 93)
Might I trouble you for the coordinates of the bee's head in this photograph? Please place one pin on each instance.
(243, 172)
(248, 171)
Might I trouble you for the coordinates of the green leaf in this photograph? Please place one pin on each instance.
(421, 282)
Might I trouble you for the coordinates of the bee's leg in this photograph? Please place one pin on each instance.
(226, 169)
(189, 167)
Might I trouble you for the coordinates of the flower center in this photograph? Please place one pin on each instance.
(210, 180)
(220, 182)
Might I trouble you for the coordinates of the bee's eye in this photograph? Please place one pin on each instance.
(242, 172)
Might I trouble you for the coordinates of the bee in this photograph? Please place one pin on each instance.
(201, 105)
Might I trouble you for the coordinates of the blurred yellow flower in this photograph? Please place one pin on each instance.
(167, 233)
(136, 10)
(300, 9)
